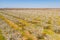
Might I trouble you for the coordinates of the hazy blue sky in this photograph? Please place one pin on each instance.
(29, 3)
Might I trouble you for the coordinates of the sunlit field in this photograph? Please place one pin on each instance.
(29, 24)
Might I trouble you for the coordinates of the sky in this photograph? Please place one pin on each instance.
(29, 3)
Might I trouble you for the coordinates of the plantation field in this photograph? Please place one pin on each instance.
(29, 24)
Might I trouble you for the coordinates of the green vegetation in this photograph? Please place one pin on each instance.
(1, 36)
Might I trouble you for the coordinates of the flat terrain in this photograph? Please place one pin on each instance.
(29, 24)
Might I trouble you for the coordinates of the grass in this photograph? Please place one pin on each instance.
(47, 22)
(16, 27)
(1, 36)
